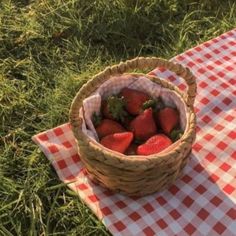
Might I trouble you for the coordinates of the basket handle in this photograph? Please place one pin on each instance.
(153, 62)
(122, 67)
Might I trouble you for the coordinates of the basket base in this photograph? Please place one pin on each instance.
(148, 189)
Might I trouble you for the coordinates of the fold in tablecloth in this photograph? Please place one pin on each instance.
(203, 201)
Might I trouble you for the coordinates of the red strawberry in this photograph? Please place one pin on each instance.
(156, 138)
(168, 118)
(107, 127)
(155, 144)
(134, 100)
(118, 142)
(143, 125)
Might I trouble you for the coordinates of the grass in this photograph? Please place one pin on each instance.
(49, 48)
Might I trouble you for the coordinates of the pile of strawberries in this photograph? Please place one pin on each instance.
(133, 123)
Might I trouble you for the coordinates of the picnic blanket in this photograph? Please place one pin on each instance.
(203, 201)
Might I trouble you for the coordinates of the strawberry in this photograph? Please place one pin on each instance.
(143, 125)
(134, 100)
(107, 127)
(153, 145)
(168, 118)
(114, 108)
(118, 142)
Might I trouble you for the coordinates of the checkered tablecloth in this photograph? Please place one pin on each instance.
(203, 201)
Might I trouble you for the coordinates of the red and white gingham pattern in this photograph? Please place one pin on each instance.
(203, 201)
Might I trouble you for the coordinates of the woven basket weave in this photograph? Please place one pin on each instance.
(135, 175)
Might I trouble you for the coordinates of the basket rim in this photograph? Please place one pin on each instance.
(188, 132)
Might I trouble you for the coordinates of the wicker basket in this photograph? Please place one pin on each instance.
(135, 175)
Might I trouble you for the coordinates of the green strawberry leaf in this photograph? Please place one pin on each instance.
(155, 104)
(176, 134)
(149, 104)
(116, 106)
